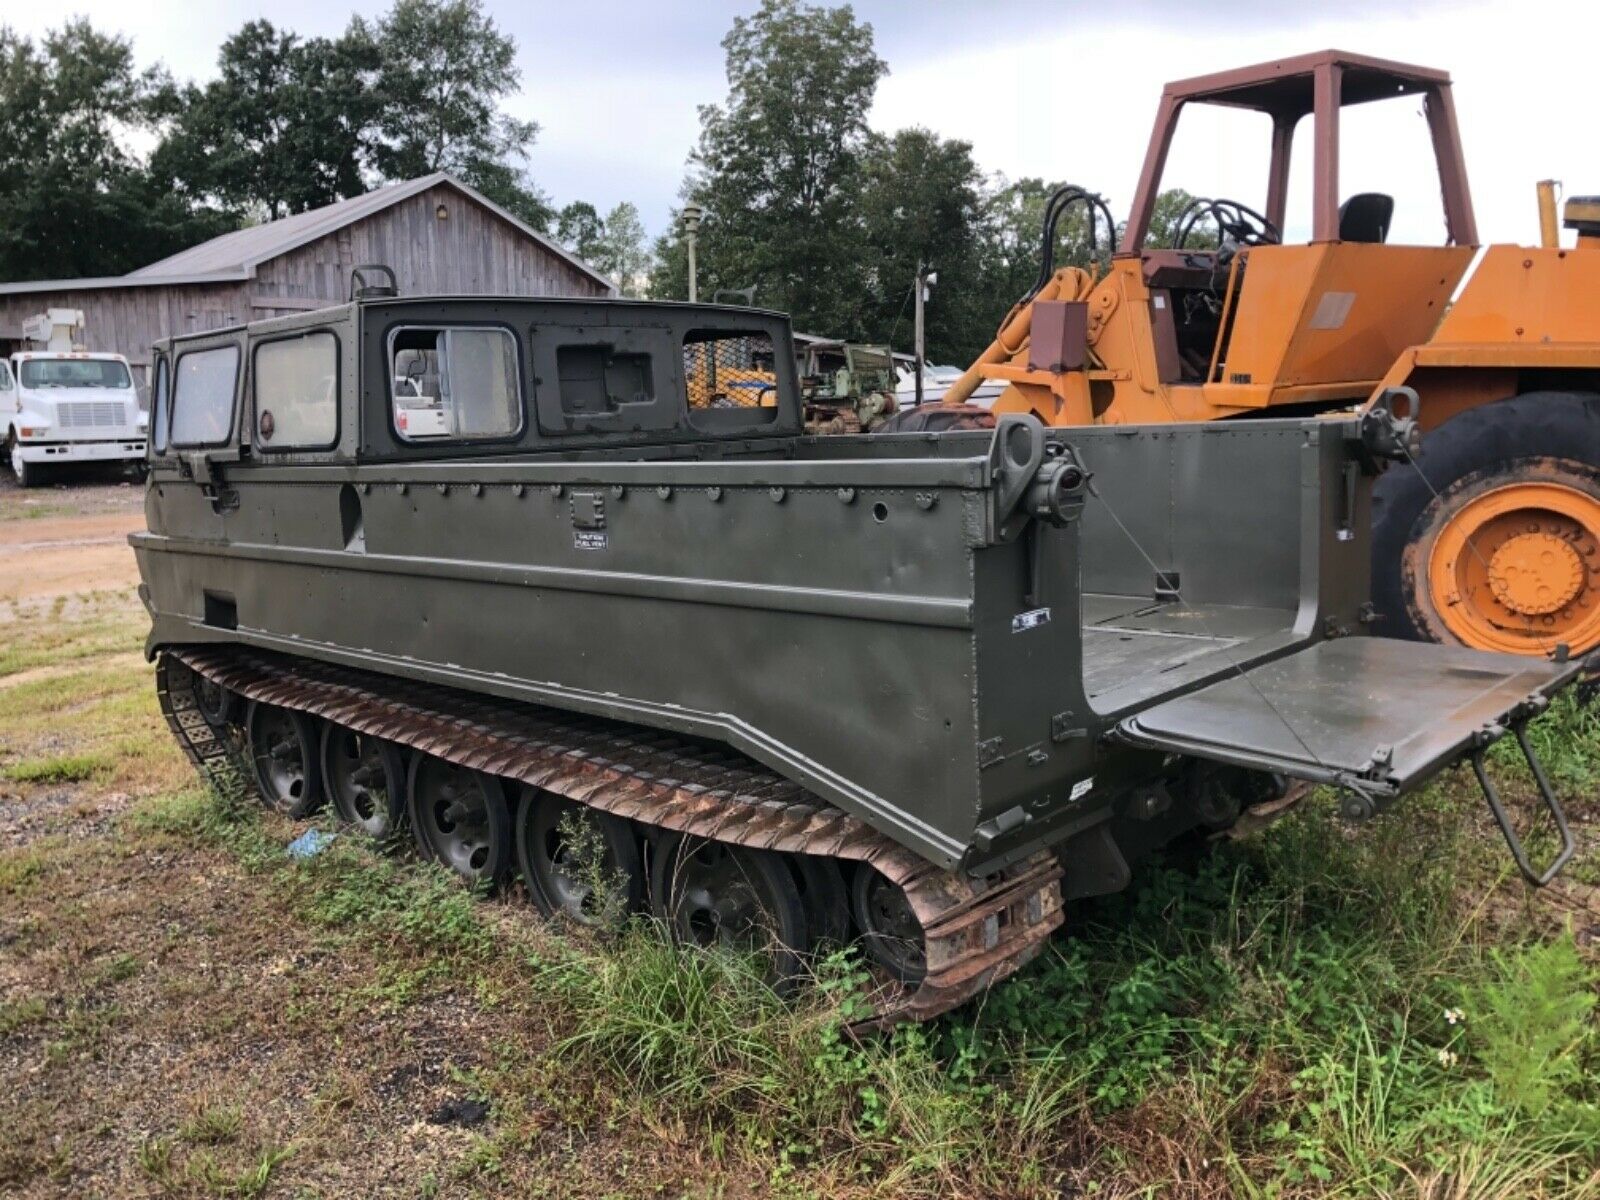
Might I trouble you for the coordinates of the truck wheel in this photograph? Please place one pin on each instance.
(28, 474)
(1492, 540)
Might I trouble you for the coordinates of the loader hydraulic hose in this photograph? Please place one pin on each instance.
(1069, 283)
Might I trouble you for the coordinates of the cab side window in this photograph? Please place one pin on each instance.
(204, 383)
(296, 383)
(158, 407)
(455, 384)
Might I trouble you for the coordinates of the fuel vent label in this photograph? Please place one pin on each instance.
(1032, 619)
(589, 539)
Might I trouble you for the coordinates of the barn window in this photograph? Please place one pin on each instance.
(297, 392)
(202, 396)
(455, 383)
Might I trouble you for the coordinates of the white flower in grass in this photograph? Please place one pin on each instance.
(1448, 1058)
(1454, 1016)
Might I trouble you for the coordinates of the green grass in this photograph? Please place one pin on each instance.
(60, 768)
(1316, 1011)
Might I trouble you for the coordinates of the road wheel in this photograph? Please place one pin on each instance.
(460, 818)
(826, 898)
(891, 935)
(365, 779)
(216, 703)
(283, 751)
(712, 894)
(1495, 544)
(576, 861)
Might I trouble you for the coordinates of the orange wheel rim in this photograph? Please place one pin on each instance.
(1517, 569)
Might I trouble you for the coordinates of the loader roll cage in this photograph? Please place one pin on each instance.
(1318, 85)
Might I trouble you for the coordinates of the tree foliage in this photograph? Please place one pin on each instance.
(832, 221)
(288, 124)
(285, 127)
(445, 68)
(778, 167)
(613, 244)
(73, 199)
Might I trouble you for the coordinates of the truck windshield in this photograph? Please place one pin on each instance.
(74, 373)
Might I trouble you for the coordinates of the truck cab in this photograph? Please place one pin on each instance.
(68, 407)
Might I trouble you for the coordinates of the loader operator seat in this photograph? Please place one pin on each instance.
(1365, 217)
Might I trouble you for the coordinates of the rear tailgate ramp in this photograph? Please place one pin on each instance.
(1373, 716)
(1379, 715)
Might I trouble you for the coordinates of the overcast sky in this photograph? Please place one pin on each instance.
(1053, 88)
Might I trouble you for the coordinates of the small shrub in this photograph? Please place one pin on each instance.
(1529, 1023)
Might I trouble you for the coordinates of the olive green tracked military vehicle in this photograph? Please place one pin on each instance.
(483, 565)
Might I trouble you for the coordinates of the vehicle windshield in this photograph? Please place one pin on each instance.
(74, 373)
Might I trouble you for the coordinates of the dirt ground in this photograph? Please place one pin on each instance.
(67, 539)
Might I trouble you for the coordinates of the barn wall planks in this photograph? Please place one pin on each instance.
(127, 320)
(470, 249)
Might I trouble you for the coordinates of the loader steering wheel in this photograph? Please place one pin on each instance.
(1236, 223)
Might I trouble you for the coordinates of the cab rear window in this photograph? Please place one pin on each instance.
(204, 382)
(455, 384)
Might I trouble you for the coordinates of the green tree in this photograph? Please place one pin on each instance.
(778, 166)
(580, 229)
(924, 203)
(622, 253)
(282, 129)
(445, 68)
(74, 199)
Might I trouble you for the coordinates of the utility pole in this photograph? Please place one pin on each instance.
(690, 218)
(925, 280)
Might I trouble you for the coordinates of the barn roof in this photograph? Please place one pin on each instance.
(235, 256)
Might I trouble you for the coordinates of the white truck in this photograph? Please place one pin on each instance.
(59, 405)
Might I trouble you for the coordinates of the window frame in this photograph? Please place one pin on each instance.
(446, 327)
(8, 380)
(161, 408)
(338, 393)
(233, 400)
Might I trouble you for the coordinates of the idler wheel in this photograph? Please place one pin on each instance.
(577, 862)
(216, 703)
(459, 818)
(712, 894)
(283, 752)
(365, 778)
(891, 935)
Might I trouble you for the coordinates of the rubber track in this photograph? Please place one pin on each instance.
(978, 931)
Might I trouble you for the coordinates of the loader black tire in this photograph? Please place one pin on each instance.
(1536, 437)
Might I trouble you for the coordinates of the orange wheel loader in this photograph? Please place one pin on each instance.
(1490, 537)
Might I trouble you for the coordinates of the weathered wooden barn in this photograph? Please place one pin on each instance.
(438, 235)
